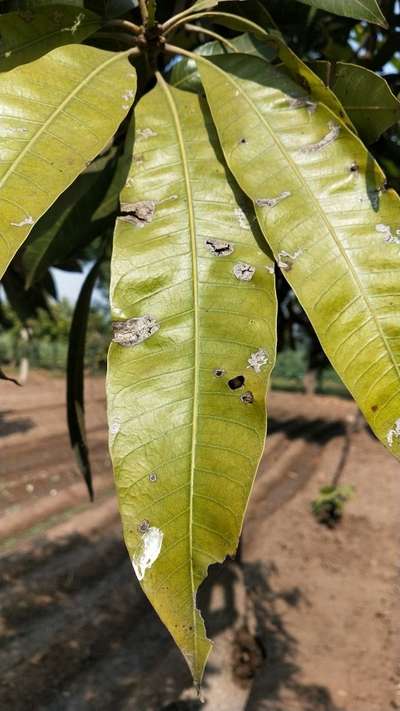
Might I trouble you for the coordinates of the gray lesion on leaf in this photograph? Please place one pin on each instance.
(26, 221)
(153, 477)
(258, 360)
(394, 433)
(143, 526)
(303, 102)
(138, 213)
(247, 398)
(218, 247)
(330, 137)
(134, 330)
(390, 236)
(244, 271)
(285, 260)
(271, 202)
(145, 133)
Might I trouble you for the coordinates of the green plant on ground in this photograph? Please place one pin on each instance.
(329, 505)
(228, 171)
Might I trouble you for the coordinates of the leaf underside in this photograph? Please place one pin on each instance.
(185, 447)
(366, 96)
(334, 229)
(359, 9)
(51, 127)
(27, 35)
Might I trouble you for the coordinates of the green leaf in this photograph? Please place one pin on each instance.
(299, 71)
(57, 114)
(75, 375)
(185, 75)
(366, 96)
(368, 10)
(27, 35)
(184, 445)
(90, 202)
(334, 229)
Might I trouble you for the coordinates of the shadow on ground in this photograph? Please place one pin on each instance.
(79, 633)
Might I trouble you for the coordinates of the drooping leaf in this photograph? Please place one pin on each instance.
(57, 114)
(90, 202)
(26, 303)
(26, 35)
(366, 96)
(185, 75)
(334, 229)
(186, 411)
(368, 10)
(3, 376)
(299, 71)
(75, 375)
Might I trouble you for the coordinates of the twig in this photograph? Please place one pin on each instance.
(125, 25)
(143, 11)
(201, 30)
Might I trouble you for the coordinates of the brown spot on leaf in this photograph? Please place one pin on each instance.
(138, 213)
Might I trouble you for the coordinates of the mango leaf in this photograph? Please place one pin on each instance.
(185, 75)
(75, 375)
(57, 114)
(299, 71)
(27, 35)
(333, 227)
(194, 311)
(368, 10)
(366, 96)
(90, 202)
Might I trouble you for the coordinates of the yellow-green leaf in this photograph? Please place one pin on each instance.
(333, 227)
(184, 443)
(56, 115)
(26, 35)
(366, 96)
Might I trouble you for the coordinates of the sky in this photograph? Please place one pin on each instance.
(69, 283)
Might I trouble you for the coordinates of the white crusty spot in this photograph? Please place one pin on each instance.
(76, 24)
(270, 268)
(129, 94)
(271, 202)
(388, 234)
(394, 432)
(26, 221)
(244, 271)
(147, 551)
(332, 135)
(258, 359)
(241, 216)
(285, 260)
(7, 54)
(114, 428)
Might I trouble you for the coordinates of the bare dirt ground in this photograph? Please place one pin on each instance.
(306, 622)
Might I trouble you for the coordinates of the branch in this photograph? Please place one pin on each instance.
(201, 30)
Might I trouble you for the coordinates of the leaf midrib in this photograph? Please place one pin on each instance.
(59, 109)
(330, 228)
(192, 232)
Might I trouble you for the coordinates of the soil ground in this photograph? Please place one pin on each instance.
(305, 622)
